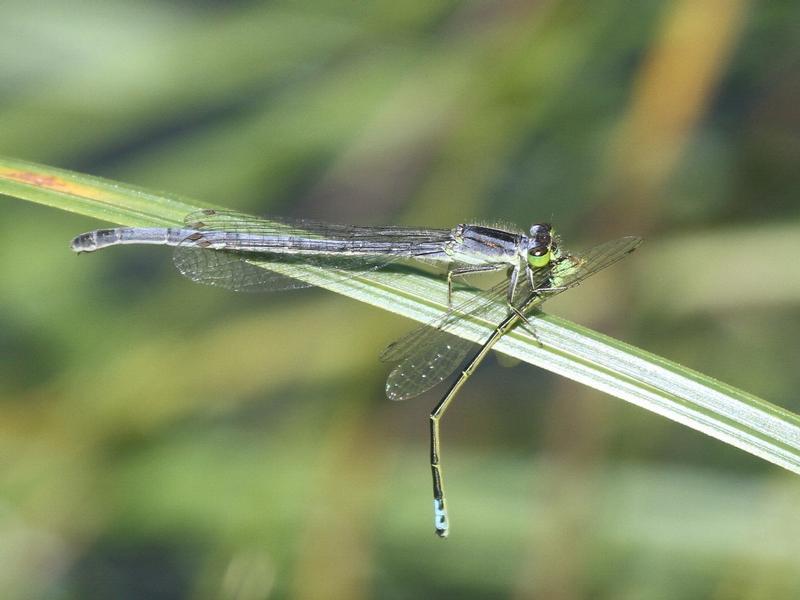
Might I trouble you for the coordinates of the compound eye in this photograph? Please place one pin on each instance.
(539, 257)
(540, 230)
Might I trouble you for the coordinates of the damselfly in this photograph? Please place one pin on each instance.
(235, 251)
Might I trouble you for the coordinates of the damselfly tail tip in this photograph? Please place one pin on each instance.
(440, 520)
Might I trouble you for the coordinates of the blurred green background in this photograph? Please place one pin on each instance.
(166, 440)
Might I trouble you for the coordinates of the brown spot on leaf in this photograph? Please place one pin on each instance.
(37, 179)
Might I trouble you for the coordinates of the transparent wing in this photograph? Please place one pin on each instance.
(572, 270)
(477, 306)
(434, 363)
(278, 232)
(429, 353)
(232, 271)
(252, 241)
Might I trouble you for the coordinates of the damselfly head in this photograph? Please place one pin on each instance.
(540, 245)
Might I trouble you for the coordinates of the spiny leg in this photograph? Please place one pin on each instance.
(542, 289)
(469, 270)
(512, 288)
(528, 323)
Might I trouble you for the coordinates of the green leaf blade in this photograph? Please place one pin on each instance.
(618, 369)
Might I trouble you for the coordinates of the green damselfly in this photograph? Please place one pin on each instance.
(234, 251)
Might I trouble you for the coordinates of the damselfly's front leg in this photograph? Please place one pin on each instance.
(543, 288)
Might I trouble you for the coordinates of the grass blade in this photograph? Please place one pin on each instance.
(661, 386)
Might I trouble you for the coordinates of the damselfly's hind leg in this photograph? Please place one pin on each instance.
(469, 270)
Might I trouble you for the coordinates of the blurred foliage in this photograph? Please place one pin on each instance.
(164, 440)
